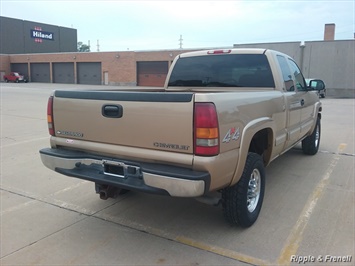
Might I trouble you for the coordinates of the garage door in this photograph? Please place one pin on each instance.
(152, 73)
(40, 72)
(89, 73)
(63, 73)
(20, 67)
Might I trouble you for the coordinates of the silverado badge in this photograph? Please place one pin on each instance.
(70, 133)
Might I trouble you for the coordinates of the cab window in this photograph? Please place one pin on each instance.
(299, 80)
(230, 70)
(286, 73)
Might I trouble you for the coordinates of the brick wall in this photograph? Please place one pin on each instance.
(121, 67)
(4, 66)
(329, 32)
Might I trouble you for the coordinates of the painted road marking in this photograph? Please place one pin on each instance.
(182, 240)
(221, 251)
(294, 239)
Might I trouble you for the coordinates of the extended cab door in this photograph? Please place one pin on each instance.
(293, 102)
(307, 100)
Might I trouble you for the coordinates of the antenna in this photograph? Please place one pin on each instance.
(180, 41)
(98, 46)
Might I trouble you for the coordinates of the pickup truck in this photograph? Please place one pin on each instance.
(15, 77)
(220, 119)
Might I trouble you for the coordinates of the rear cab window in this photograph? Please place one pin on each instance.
(232, 70)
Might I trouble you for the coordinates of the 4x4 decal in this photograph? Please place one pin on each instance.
(232, 134)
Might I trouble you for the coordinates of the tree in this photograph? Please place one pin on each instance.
(83, 47)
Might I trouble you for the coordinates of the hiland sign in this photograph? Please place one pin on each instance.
(41, 35)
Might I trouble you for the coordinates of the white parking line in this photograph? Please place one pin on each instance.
(294, 239)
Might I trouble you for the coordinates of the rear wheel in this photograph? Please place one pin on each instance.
(6, 80)
(310, 145)
(242, 202)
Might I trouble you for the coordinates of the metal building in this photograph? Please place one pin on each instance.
(28, 37)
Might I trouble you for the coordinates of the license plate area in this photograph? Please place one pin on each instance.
(120, 169)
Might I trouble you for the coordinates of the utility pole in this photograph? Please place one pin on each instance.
(180, 41)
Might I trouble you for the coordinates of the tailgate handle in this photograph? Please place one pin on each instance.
(112, 111)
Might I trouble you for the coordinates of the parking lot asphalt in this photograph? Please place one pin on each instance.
(308, 214)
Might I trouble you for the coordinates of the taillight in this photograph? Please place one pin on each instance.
(50, 116)
(206, 136)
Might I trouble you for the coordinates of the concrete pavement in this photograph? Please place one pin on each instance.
(47, 218)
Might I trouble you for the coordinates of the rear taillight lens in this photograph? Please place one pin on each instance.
(50, 116)
(206, 135)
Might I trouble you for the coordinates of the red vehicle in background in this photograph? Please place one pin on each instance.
(15, 77)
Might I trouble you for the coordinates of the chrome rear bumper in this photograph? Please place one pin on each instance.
(151, 178)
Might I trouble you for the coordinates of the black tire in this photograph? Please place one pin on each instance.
(16, 81)
(240, 207)
(310, 145)
(6, 80)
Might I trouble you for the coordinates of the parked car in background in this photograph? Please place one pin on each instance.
(15, 77)
(318, 85)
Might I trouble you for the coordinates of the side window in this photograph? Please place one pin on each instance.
(286, 73)
(301, 86)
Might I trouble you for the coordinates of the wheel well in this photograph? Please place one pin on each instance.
(261, 144)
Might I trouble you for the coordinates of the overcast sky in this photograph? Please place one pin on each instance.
(155, 25)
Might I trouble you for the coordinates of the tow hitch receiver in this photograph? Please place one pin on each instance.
(106, 191)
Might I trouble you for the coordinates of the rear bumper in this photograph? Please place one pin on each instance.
(146, 177)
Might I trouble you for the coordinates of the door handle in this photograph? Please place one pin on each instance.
(112, 111)
(302, 102)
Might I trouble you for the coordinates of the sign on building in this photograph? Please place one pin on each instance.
(40, 35)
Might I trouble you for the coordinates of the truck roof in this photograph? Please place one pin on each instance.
(225, 51)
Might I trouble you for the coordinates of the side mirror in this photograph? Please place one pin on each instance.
(316, 84)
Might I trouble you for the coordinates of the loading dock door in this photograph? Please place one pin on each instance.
(63, 73)
(20, 67)
(40, 72)
(152, 74)
(89, 73)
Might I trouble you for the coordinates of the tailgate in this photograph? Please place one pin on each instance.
(151, 120)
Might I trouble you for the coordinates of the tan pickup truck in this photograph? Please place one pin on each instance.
(222, 116)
